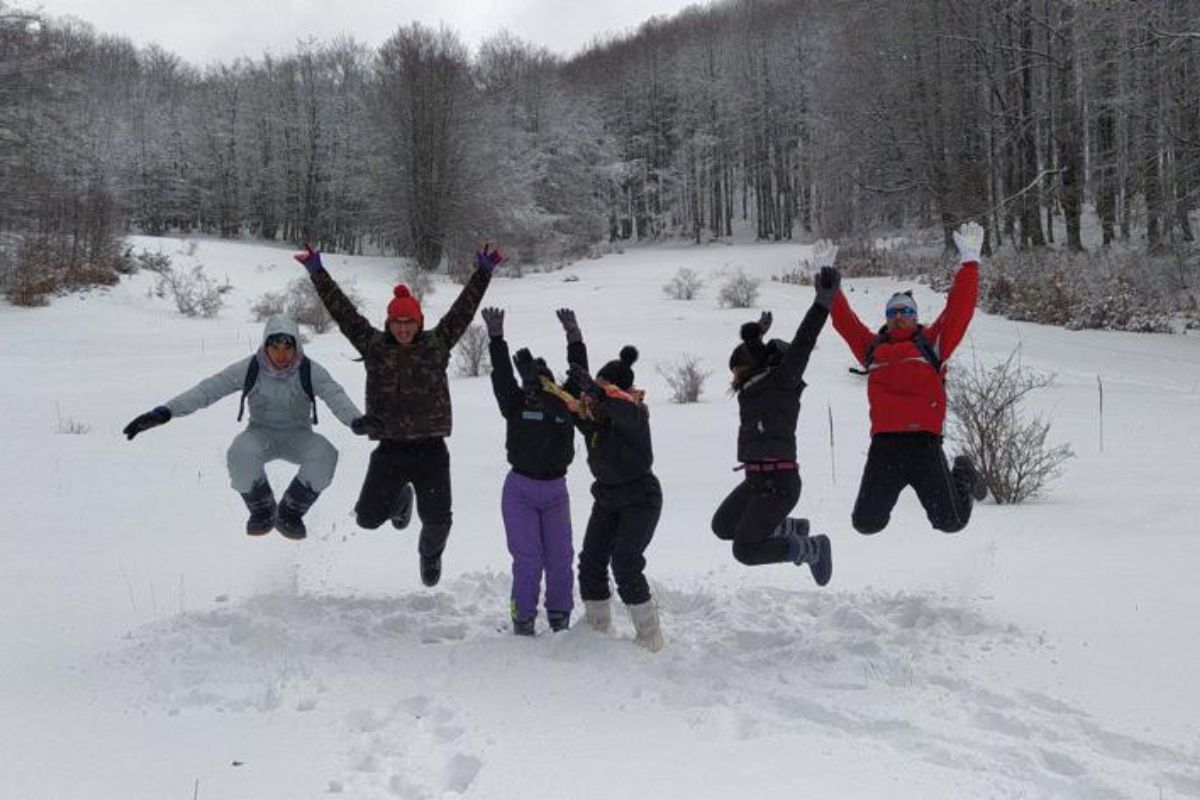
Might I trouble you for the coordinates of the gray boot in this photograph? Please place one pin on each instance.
(645, 623)
(598, 614)
(814, 551)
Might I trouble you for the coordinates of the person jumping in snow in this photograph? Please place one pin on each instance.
(540, 441)
(279, 383)
(905, 365)
(628, 498)
(768, 378)
(408, 395)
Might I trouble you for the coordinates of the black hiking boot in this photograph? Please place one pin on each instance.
(559, 620)
(969, 478)
(431, 570)
(404, 507)
(524, 627)
(260, 501)
(294, 504)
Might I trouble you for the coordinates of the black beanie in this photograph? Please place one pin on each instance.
(751, 353)
(620, 373)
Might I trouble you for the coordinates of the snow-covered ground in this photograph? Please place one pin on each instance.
(149, 649)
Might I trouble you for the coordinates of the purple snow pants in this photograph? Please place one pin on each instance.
(537, 522)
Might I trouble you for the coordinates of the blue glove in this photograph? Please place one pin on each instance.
(311, 259)
(160, 415)
(488, 258)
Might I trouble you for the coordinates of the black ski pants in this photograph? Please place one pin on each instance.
(753, 510)
(620, 528)
(425, 463)
(897, 460)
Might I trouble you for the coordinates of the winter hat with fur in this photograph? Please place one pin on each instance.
(404, 305)
(620, 372)
(902, 300)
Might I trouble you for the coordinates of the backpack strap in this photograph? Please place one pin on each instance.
(248, 384)
(305, 384)
(919, 341)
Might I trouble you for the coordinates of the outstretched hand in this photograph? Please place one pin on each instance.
(824, 253)
(764, 322)
(566, 318)
(493, 318)
(367, 425)
(827, 283)
(160, 415)
(311, 259)
(969, 241)
(488, 258)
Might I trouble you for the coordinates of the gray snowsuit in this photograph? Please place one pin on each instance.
(280, 415)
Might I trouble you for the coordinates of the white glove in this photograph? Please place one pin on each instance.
(824, 253)
(969, 241)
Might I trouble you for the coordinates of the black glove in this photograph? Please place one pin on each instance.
(366, 425)
(527, 370)
(494, 319)
(571, 325)
(827, 283)
(583, 380)
(160, 415)
(764, 322)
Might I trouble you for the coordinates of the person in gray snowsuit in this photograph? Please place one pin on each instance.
(280, 385)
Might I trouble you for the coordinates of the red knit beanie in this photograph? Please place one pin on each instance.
(404, 305)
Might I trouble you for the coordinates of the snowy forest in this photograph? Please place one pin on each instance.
(787, 118)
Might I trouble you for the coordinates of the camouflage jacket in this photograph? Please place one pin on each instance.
(407, 389)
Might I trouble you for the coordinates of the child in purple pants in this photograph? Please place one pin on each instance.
(540, 441)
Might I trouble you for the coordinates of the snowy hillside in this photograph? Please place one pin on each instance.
(149, 649)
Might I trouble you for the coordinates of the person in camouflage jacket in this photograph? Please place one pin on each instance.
(408, 403)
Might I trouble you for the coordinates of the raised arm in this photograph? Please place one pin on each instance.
(948, 329)
(454, 322)
(504, 382)
(576, 350)
(351, 323)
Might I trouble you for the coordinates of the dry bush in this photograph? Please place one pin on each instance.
(194, 293)
(50, 267)
(301, 302)
(684, 285)
(471, 354)
(685, 377)
(987, 423)
(739, 291)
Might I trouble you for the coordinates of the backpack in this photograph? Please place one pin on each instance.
(305, 384)
(919, 341)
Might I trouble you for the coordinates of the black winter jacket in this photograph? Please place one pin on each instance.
(769, 402)
(618, 440)
(540, 434)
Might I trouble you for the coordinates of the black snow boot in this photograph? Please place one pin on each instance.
(969, 479)
(431, 570)
(294, 504)
(260, 501)
(524, 627)
(559, 620)
(404, 507)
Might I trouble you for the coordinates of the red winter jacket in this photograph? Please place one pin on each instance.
(904, 392)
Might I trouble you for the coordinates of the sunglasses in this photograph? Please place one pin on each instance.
(901, 311)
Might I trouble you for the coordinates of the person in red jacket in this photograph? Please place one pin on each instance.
(905, 366)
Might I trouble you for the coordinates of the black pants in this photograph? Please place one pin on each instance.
(752, 512)
(620, 528)
(425, 463)
(896, 460)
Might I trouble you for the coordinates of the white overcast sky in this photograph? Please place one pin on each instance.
(204, 31)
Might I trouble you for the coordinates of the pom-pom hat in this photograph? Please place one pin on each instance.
(620, 372)
(404, 305)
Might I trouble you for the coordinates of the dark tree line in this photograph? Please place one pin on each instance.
(789, 117)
